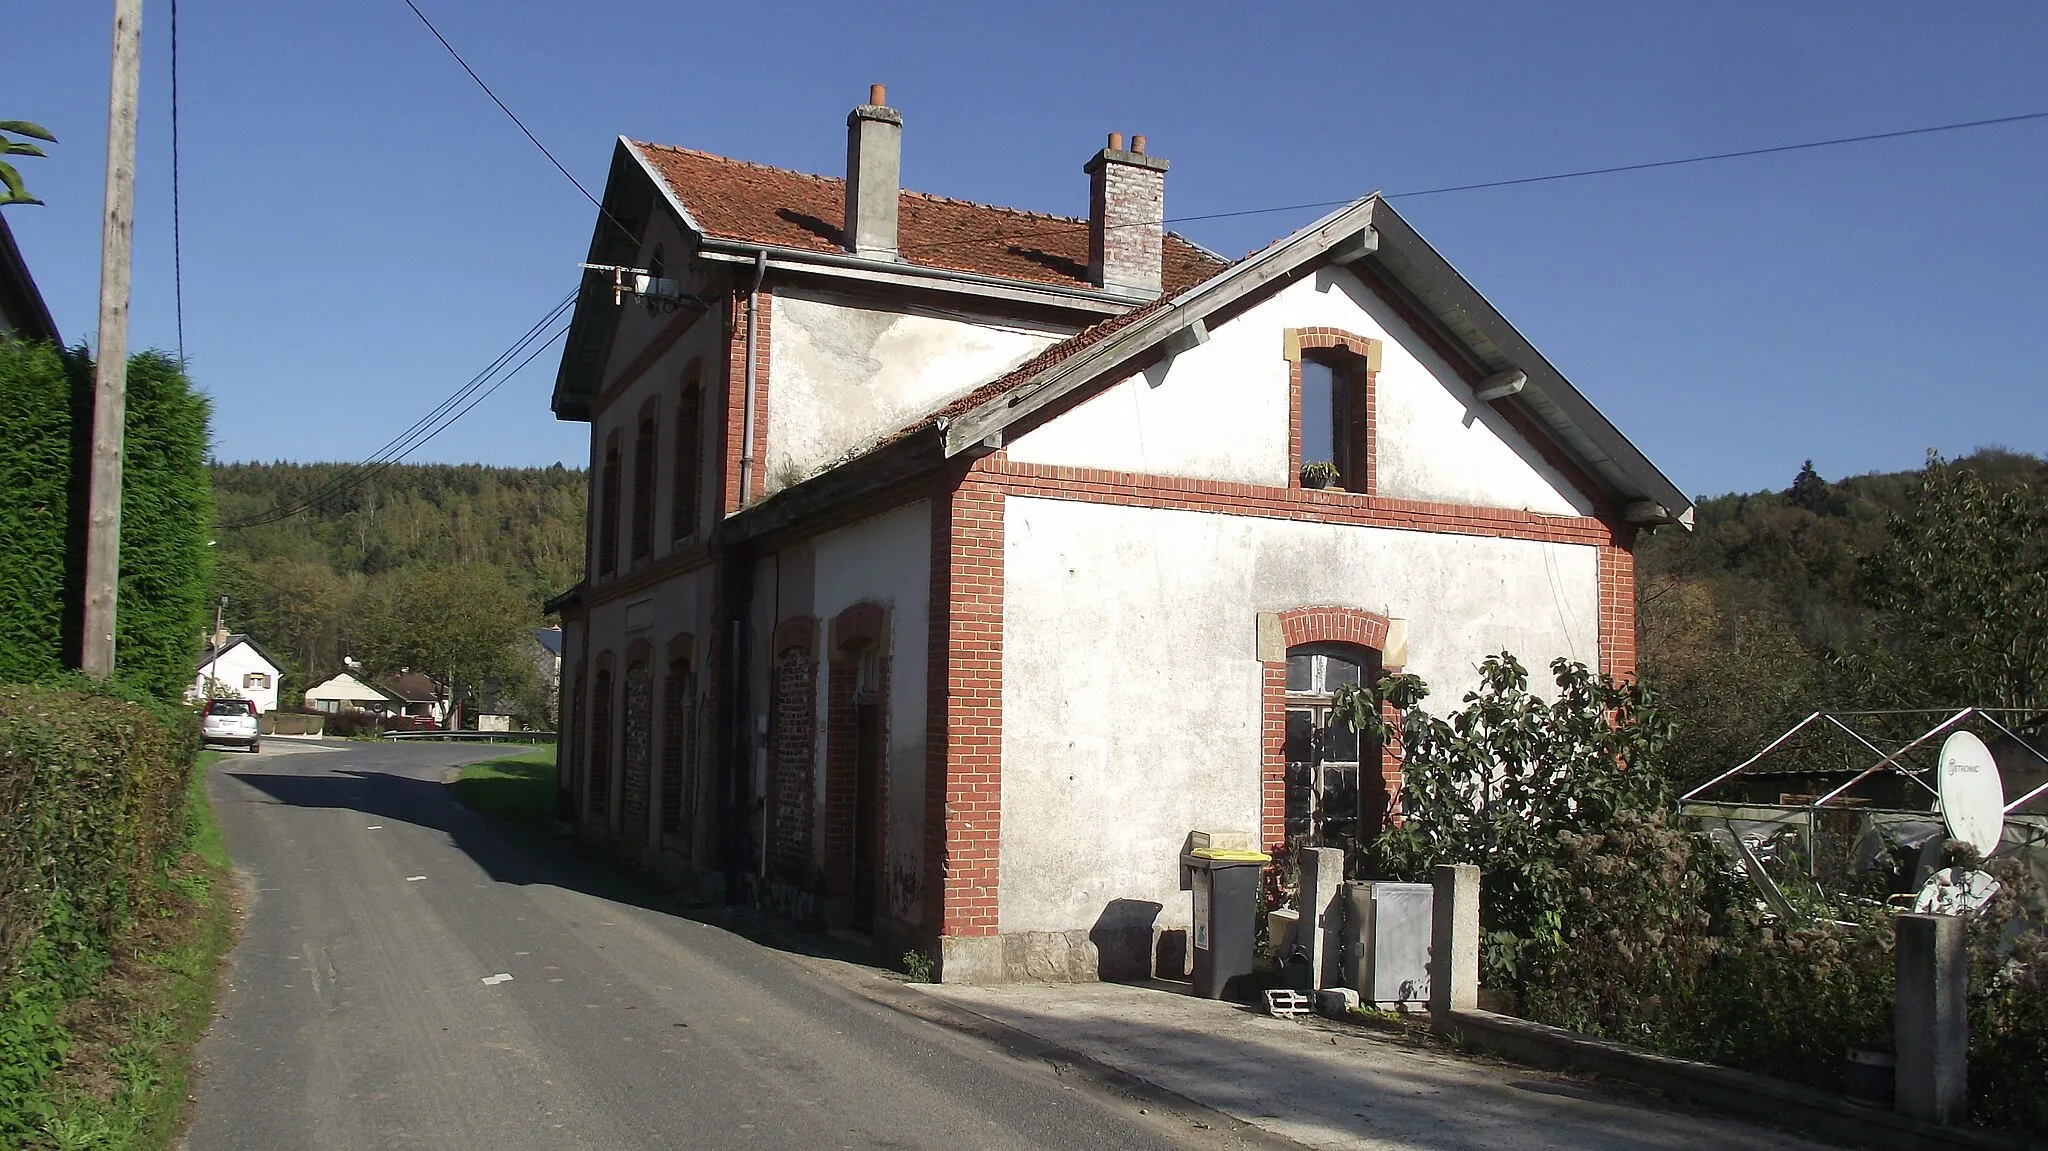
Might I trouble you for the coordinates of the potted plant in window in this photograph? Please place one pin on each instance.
(1320, 474)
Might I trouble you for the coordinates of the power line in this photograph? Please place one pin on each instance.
(424, 429)
(177, 215)
(1581, 173)
(502, 107)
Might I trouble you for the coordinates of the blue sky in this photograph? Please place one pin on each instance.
(364, 230)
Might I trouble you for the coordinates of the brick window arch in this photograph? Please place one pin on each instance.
(792, 737)
(1353, 636)
(1332, 378)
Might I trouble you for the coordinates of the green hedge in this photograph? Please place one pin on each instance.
(92, 793)
(35, 474)
(166, 515)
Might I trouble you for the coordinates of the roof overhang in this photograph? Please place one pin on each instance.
(20, 299)
(1370, 238)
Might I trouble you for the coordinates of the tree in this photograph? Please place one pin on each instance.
(1962, 581)
(1501, 781)
(10, 180)
(459, 625)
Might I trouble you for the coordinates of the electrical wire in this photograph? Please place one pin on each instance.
(503, 107)
(424, 429)
(177, 211)
(1581, 173)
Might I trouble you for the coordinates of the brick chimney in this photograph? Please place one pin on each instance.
(1126, 217)
(874, 160)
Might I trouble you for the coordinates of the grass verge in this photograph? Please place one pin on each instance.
(128, 1070)
(518, 789)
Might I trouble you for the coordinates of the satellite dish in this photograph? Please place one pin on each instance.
(1972, 795)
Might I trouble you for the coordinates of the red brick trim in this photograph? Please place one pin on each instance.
(1095, 485)
(1617, 612)
(964, 716)
(859, 627)
(796, 631)
(1333, 625)
(736, 400)
(863, 623)
(1362, 354)
(1305, 625)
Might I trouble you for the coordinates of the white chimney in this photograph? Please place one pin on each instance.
(874, 162)
(1126, 218)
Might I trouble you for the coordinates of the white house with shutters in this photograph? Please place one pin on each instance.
(234, 666)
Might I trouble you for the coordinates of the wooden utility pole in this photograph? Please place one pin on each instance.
(110, 380)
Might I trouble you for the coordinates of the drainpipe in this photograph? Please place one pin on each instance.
(753, 330)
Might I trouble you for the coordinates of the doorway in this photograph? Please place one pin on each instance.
(867, 788)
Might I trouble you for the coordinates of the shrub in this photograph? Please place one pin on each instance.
(2009, 1005)
(1496, 783)
(351, 723)
(92, 792)
(166, 514)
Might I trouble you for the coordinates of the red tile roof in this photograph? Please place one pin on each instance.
(756, 204)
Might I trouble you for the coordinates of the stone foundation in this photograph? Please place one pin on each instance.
(1081, 955)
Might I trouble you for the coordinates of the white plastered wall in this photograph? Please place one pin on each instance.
(885, 560)
(843, 376)
(1133, 694)
(234, 665)
(1220, 412)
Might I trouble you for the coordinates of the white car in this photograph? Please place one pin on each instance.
(231, 721)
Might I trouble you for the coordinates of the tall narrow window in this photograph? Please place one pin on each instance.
(1322, 752)
(643, 488)
(675, 744)
(608, 509)
(600, 790)
(689, 461)
(1332, 420)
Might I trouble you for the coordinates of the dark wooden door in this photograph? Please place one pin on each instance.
(867, 816)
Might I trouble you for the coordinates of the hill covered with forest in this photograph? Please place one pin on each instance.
(1899, 589)
(303, 584)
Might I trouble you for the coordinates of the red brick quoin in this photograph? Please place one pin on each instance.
(1306, 625)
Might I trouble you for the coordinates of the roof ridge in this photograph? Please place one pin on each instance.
(823, 179)
(1028, 213)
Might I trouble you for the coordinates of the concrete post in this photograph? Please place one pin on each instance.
(1453, 943)
(1931, 1019)
(1322, 912)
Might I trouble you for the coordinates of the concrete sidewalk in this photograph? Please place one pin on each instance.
(1330, 1085)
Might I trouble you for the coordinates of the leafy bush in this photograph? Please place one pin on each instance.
(166, 514)
(92, 792)
(1663, 948)
(1496, 784)
(2009, 1005)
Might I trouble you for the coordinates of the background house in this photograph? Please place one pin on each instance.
(234, 665)
(347, 693)
(949, 564)
(23, 314)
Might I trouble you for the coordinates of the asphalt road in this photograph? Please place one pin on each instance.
(368, 1007)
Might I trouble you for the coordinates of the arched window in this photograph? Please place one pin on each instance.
(676, 689)
(637, 774)
(689, 459)
(600, 789)
(1333, 417)
(643, 486)
(1323, 755)
(608, 509)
